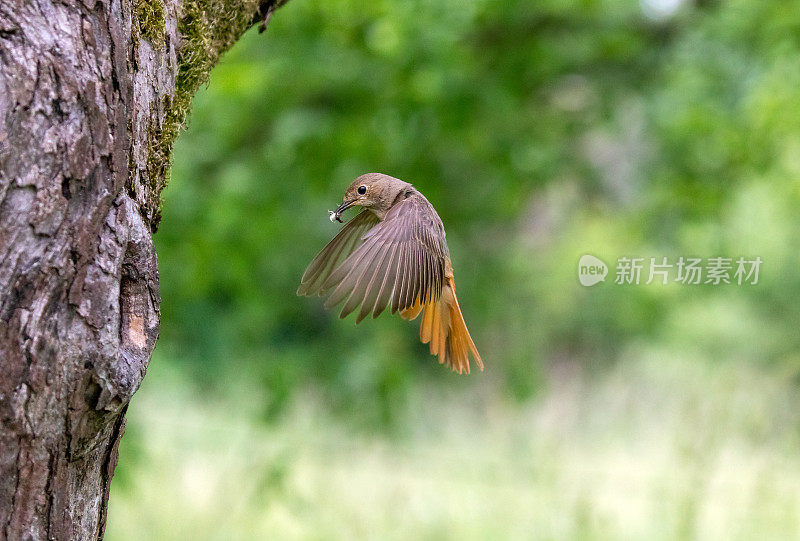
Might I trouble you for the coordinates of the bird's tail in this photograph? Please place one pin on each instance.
(444, 328)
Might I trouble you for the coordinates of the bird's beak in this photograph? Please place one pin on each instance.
(337, 214)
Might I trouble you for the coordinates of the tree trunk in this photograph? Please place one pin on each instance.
(92, 95)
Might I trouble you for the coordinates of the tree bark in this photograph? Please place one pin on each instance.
(92, 95)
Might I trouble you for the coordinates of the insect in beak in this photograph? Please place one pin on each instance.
(337, 214)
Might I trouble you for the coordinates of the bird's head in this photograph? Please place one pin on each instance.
(374, 191)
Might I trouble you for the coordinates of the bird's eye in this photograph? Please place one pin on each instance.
(362, 190)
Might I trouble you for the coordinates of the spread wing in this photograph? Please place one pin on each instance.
(336, 251)
(400, 261)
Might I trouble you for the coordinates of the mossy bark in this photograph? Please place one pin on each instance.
(92, 96)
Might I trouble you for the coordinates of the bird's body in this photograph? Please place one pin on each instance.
(394, 254)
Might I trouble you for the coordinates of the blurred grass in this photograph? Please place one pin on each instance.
(661, 447)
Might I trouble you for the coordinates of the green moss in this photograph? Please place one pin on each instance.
(207, 28)
(151, 19)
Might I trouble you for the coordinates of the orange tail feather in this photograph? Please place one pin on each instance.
(412, 311)
(444, 327)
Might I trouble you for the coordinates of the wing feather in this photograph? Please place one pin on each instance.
(375, 283)
(354, 284)
(399, 279)
(384, 294)
(346, 277)
(335, 252)
(393, 262)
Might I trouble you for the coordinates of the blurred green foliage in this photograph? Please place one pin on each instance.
(540, 131)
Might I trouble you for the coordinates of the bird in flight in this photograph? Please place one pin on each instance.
(394, 254)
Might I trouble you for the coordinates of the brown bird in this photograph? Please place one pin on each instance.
(394, 252)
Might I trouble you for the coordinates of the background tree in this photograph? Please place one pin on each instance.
(92, 95)
(542, 131)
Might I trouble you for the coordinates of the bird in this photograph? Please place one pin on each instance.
(393, 254)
